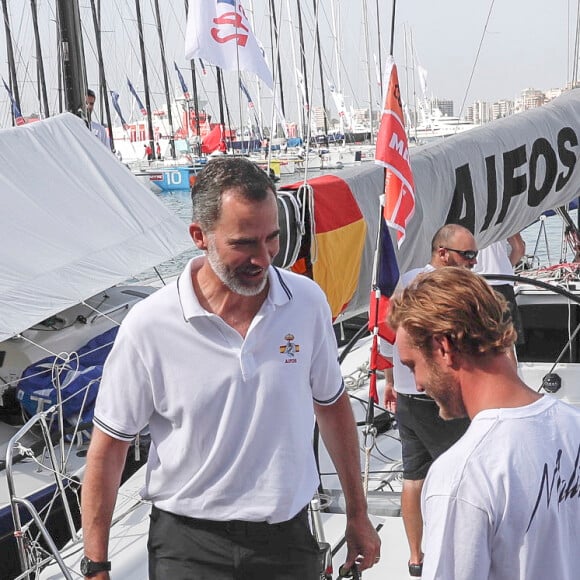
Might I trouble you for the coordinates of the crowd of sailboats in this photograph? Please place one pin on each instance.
(174, 104)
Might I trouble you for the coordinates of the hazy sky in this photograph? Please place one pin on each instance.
(528, 43)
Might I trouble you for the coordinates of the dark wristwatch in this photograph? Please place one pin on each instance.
(90, 568)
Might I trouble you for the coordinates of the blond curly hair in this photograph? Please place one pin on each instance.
(457, 304)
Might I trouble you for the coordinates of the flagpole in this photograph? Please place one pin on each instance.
(391, 50)
(376, 294)
(373, 395)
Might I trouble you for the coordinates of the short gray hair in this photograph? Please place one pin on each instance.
(221, 174)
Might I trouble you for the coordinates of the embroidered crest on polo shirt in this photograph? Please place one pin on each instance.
(290, 349)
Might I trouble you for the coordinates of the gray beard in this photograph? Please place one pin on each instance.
(228, 278)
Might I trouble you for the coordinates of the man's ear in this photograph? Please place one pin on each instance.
(197, 235)
(443, 347)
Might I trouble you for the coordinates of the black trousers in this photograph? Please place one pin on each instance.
(182, 548)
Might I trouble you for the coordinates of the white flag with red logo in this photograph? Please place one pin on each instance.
(219, 33)
(392, 152)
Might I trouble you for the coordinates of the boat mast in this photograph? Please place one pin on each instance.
(70, 50)
(276, 46)
(102, 79)
(293, 50)
(10, 54)
(260, 118)
(324, 115)
(306, 132)
(379, 47)
(145, 79)
(194, 89)
(39, 61)
(221, 105)
(336, 42)
(367, 51)
(165, 80)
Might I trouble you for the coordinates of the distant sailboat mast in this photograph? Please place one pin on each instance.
(10, 54)
(194, 89)
(303, 68)
(367, 52)
(165, 80)
(379, 45)
(335, 15)
(102, 79)
(260, 115)
(323, 92)
(39, 61)
(299, 96)
(145, 78)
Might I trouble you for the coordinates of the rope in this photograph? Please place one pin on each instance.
(370, 441)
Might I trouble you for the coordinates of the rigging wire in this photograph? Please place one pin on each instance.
(476, 58)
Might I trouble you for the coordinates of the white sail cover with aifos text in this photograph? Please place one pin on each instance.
(219, 32)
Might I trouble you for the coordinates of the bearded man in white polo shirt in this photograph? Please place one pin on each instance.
(228, 367)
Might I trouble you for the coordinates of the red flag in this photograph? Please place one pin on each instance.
(213, 141)
(393, 153)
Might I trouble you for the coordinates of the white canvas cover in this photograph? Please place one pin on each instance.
(530, 161)
(496, 179)
(74, 221)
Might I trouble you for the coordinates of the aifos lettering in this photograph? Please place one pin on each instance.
(536, 171)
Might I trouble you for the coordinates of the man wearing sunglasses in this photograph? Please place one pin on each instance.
(424, 434)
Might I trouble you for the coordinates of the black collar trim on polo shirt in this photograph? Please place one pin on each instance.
(283, 284)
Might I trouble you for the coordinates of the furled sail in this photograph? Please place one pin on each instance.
(496, 179)
(74, 221)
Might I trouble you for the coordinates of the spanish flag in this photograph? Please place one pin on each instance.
(339, 237)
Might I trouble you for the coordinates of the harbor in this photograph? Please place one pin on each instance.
(97, 223)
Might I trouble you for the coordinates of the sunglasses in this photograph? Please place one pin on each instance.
(465, 254)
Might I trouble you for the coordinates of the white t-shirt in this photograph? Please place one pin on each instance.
(504, 502)
(494, 260)
(231, 419)
(403, 379)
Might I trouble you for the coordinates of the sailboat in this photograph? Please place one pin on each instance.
(444, 166)
(475, 185)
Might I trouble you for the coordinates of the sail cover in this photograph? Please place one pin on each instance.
(496, 179)
(74, 221)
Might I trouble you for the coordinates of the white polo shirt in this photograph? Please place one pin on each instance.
(231, 419)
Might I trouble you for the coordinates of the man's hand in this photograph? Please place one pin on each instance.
(390, 396)
(363, 543)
